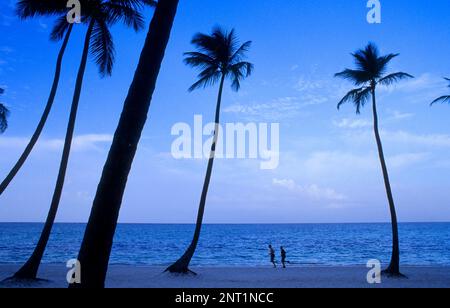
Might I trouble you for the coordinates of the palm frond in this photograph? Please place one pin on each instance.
(198, 59)
(219, 54)
(4, 113)
(442, 99)
(239, 54)
(238, 72)
(59, 29)
(358, 77)
(383, 61)
(448, 79)
(32, 8)
(130, 16)
(357, 96)
(393, 78)
(208, 79)
(102, 48)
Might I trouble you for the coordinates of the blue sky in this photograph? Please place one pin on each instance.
(328, 170)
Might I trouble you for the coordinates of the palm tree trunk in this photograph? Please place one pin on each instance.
(182, 265)
(98, 238)
(394, 267)
(44, 116)
(30, 269)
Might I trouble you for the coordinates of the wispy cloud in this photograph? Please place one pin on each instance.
(351, 123)
(276, 109)
(80, 143)
(312, 191)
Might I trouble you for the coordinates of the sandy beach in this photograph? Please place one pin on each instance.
(298, 277)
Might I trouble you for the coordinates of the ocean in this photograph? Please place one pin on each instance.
(422, 244)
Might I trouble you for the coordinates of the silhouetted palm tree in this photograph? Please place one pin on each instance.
(219, 56)
(28, 9)
(369, 73)
(4, 112)
(99, 16)
(98, 238)
(442, 99)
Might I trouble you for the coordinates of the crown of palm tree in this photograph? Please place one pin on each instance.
(102, 13)
(370, 72)
(4, 112)
(219, 55)
(442, 99)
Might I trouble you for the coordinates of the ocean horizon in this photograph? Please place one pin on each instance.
(234, 245)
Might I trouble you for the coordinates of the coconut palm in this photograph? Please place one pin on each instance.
(4, 112)
(219, 57)
(28, 9)
(370, 72)
(98, 238)
(99, 16)
(442, 99)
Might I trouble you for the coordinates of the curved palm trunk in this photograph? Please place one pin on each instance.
(182, 265)
(30, 269)
(98, 238)
(44, 116)
(394, 267)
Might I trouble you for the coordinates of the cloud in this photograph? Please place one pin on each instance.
(312, 191)
(429, 140)
(80, 143)
(422, 89)
(407, 159)
(276, 109)
(349, 123)
(397, 115)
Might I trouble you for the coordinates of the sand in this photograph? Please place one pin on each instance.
(298, 277)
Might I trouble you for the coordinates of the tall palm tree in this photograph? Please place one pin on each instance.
(4, 112)
(28, 9)
(98, 238)
(99, 15)
(442, 99)
(370, 73)
(219, 56)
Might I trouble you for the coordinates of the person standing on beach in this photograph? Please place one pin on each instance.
(272, 256)
(283, 257)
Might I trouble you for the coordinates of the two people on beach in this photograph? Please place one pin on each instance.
(272, 256)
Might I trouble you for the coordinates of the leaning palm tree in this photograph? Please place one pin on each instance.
(4, 112)
(99, 16)
(370, 73)
(218, 57)
(28, 9)
(442, 99)
(98, 238)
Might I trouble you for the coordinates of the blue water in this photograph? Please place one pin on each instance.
(240, 245)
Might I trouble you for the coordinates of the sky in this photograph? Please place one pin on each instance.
(328, 170)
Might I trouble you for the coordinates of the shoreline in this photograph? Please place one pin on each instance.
(130, 276)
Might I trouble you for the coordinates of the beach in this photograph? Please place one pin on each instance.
(239, 277)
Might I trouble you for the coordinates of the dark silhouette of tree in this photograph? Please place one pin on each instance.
(442, 99)
(28, 9)
(99, 16)
(98, 238)
(4, 113)
(369, 73)
(219, 56)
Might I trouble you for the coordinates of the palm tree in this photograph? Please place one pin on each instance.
(98, 238)
(99, 15)
(442, 99)
(27, 9)
(218, 57)
(4, 112)
(369, 73)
